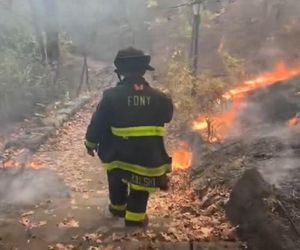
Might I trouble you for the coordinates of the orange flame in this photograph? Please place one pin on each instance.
(218, 126)
(182, 157)
(295, 121)
(10, 163)
(34, 164)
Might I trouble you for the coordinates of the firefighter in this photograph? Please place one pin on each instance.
(127, 132)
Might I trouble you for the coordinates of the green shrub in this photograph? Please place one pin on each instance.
(192, 94)
(24, 80)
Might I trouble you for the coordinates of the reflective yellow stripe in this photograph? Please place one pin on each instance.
(118, 207)
(138, 131)
(150, 172)
(91, 144)
(142, 188)
(134, 216)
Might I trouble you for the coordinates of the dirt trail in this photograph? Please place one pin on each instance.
(81, 220)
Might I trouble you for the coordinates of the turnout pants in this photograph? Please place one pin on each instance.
(126, 199)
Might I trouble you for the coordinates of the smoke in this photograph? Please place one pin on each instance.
(265, 117)
(29, 187)
(260, 138)
(278, 170)
(102, 27)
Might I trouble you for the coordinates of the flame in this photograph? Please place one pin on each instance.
(13, 163)
(34, 164)
(182, 157)
(295, 121)
(10, 163)
(216, 127)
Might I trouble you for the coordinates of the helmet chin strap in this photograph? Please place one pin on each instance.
(126, 75)
(119, 76)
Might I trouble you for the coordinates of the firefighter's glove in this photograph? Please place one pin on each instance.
(91, 148)
(164, 183)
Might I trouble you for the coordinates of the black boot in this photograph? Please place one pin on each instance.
(144, 223)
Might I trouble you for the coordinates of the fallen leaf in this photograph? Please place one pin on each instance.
(206, 231)
(25, 221)
(166, 236)
(68, 223)
(93, 237)
(60, 246)
(27, 213)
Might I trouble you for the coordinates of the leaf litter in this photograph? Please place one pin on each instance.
(177, 215)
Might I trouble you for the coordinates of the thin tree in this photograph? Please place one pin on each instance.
(52, 31)
(36, 23)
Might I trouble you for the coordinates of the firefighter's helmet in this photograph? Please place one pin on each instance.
(132, 60)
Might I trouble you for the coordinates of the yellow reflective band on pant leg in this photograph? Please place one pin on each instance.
(91, 145)
(118, 207)
(137, 169)
(138, 131)
(142, 188)
(131, 216)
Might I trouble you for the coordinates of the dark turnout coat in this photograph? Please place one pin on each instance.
(128, 127)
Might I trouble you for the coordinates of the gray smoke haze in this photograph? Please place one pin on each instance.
(265, 114)
(259, 138)
(259, 35)
(29, 187)
(279, 170)
(102, 26)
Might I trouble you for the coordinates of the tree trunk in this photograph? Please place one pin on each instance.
(36, 22)
(52, 31)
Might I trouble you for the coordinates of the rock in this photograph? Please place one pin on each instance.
(247, 209)
(55, 121)
(64, 114)
(260, 172)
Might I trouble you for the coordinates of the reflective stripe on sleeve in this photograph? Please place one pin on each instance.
(138, 131)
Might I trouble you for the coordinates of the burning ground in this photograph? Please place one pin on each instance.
(251, 149)
(77, 218)
(64, 191)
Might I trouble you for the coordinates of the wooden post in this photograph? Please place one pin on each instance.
(87, 80)
(196, 41)
(197, 5)
(52, 31)
(195, 34)
(84, 72)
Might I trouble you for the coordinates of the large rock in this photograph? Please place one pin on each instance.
(261, 172)
(251, 207)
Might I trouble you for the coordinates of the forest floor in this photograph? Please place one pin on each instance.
(80, 219)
